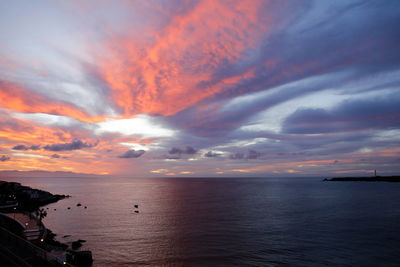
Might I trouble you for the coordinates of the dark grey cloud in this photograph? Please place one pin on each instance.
(57, 156)
(132, 154)
(23, 147)
(74, 145)
(20, 147)
(352, 115)
(211, 154)
(251, 154)
(178, 151)
(172, 156)
(4, 158)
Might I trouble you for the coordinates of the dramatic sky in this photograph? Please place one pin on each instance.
(200, 88)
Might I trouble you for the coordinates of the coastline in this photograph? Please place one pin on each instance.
(392, 179)
(21, 214)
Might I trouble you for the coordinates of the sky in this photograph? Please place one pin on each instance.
(200, 88)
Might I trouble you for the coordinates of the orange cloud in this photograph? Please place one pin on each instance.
(178, 67)
(84, 162)
(23, 131)
(18, 99)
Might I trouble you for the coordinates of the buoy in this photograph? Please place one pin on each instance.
(136, 211)
(136, 206)
(55, 209)
(79, 204)
(69, 208)
(85, 207)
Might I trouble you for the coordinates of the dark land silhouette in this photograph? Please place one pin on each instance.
(365, 179)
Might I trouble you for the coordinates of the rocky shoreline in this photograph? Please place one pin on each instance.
(20, 199)
(29, 199)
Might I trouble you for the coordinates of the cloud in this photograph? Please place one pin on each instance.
(18, 130)
(74, 145)
(251, 154)
(23, 147)
(132, 154)
(209, 73)
(290, 72)
(20, 99)
(382, 112)
(164, 67)
(141, 125)
(178, 151)
(237, 155)
(4, 158)
(211, 154)
(172, 156)
(55, 156)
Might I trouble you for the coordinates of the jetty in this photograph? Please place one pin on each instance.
(393, 179)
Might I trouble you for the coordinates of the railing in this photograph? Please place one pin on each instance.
(11, 259)
(8, 238)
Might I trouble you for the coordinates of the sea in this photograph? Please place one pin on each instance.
(227, 221)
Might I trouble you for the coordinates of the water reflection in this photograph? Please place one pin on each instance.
(228, 222)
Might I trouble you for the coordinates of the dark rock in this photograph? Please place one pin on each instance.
(76, 244)
(50, 240)
(83, 259)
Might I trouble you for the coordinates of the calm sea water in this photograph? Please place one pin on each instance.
(228, 222)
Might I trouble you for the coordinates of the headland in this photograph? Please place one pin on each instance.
(393, 179)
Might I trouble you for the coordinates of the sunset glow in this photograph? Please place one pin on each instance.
(200, 88)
